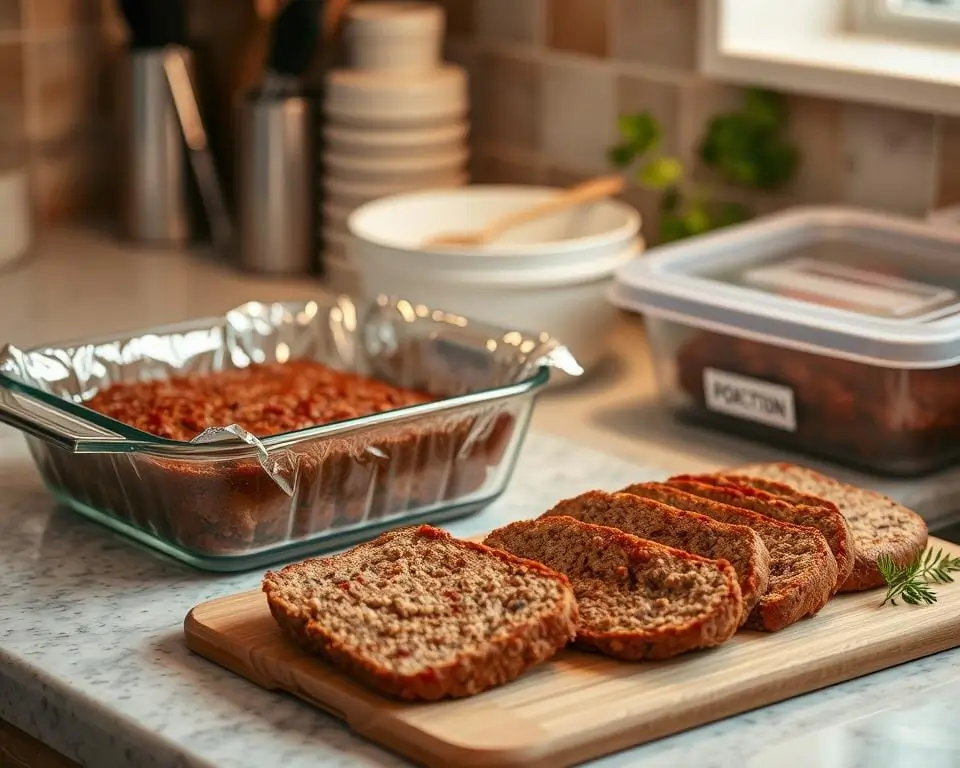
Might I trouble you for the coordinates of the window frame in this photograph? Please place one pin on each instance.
(811, 47)
(930, 26)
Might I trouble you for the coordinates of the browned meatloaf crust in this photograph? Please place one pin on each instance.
(837, 532)
(803, 571)
(230, 506)
(637, 599)
(739, 545)
(880, 525)
(417, 614)
(784, 503)
(265, 399)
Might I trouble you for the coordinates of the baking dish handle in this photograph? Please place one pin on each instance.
(54, 426)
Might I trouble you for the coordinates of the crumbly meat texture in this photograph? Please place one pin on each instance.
(638, 599)
(739, 545)
(419, 615)
(802, 568)
(782, 502)
(265, 399)
(879, 524)
(233, 506)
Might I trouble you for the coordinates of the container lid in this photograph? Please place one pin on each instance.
(838, 281)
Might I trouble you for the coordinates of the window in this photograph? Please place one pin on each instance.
(899, 53)
(923, 21)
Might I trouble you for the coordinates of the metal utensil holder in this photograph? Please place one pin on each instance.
(276, 205)
(159, 199)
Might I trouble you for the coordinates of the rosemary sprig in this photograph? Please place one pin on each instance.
(911, 583)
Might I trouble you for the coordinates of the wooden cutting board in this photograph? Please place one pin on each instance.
(579, 706)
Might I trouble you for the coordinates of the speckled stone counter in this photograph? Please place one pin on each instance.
(91, 653)
(92, 659)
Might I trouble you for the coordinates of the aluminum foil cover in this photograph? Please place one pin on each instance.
(392, 339)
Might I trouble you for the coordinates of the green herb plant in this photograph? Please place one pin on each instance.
(911, 583)
(744, 148)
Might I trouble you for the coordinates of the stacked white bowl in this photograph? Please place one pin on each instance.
(396, 119)
(551, 274)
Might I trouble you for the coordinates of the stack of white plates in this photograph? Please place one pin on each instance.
(396, 119)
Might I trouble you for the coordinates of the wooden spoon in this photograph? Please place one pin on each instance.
(595, 189)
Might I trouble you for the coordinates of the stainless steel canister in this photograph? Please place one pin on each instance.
(276, 202)
(159, 203)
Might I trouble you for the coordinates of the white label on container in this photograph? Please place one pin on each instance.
(752, 399)
(839, 285)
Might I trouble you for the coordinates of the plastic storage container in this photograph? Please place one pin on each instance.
(229, 501)
(834, 332)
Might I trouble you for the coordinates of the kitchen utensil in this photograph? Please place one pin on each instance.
(395, 36)
(831, 331)
(249, 56)
(552, 272)
(580, 706)
(588, 191)
(159, 96)
(293, 43)
(195, 137)
(276, 151)
(157, 199)
(277, 206)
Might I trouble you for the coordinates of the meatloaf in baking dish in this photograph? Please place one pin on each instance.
(232, 505)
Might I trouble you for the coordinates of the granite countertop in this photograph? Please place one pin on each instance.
(91, 653)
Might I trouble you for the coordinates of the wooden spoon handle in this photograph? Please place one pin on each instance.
(594, 189)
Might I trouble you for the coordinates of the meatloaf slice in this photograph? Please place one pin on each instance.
(417, 614)
(802, 568)
(880, 525)
(739, 545)
(782, 502)
(638, 599)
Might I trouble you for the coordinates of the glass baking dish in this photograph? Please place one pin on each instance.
(229, 501)
(830, 331)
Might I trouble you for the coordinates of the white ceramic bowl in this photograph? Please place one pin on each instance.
(372, 142)
(388, 100)
(418, 171)
(351, 194)
(396, 36)
(550, 275)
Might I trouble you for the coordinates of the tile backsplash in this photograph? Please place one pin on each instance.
(549, 78)
(50, 116)
(583, 62)
(58, 61)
